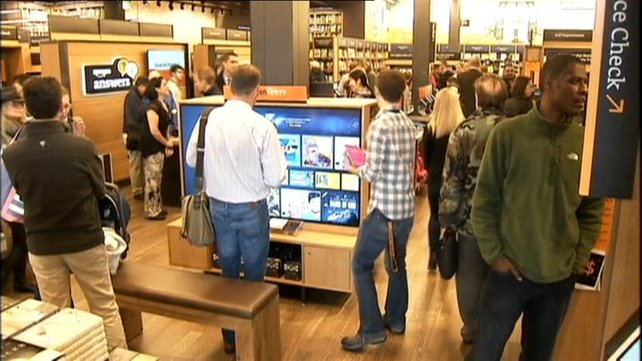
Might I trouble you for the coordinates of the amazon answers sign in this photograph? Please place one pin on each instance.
(612, 124)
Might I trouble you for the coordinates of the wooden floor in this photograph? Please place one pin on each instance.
(312, 330)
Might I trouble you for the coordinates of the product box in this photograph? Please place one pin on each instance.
(292, 270)
(274, 267)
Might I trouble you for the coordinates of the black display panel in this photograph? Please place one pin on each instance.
(317, 188)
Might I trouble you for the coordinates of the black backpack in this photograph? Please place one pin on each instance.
(115, 213)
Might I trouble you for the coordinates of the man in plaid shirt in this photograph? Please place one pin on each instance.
(389, 166)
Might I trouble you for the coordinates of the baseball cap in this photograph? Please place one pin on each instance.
(10, 94)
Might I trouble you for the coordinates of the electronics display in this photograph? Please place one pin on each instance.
(162, 60)
(317, 188)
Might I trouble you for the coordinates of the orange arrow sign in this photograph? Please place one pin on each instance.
(619, 106)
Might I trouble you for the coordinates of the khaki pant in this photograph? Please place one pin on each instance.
(136, 173)
(92, 274)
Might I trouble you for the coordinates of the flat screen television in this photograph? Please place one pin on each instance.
(317, 188)
(162, 60)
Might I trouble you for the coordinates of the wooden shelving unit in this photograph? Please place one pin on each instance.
(335, 54)
(326, 24)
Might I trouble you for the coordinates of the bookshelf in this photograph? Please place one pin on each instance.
(326, 24)
(334, 54)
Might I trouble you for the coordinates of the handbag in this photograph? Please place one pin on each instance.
(448, 253)
(197, 227)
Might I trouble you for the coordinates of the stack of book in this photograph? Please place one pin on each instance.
(78, 334)
(22, 315)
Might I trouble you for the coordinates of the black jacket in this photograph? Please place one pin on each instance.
(59, 177)
(466, 82)
(516, 106)
(134, 117)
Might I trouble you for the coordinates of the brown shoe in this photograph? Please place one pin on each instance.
(229, 347)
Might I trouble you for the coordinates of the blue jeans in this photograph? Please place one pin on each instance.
(242, 231)
(503, 301)
(371, 241)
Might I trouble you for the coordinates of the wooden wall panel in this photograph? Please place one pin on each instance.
(50, 52)
(103, 114)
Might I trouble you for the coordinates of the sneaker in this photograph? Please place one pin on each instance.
(397, 331)
(158, 217)
(357, 342)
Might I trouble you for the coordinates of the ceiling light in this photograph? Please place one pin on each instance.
(193, 6)
(171, 5)
(202, 9)
(182, 6)
(212, 11)
(158, 3)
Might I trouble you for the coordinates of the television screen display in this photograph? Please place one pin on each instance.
(317, 187)
(162, 60)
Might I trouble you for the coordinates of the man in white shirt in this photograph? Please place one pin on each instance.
(243, 161)
(177, 75)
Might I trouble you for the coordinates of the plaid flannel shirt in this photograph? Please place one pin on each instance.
(390, 164)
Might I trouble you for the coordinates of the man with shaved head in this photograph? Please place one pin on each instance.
(463, 158)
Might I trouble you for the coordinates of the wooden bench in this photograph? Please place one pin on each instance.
(249, 308)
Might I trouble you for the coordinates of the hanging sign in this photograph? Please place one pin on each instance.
(276, 93)
(611, 140)
(109, 78)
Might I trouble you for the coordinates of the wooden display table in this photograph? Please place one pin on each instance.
(325, 257)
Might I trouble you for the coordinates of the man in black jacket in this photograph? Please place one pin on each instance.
(59, 177)
(466, 82)
(134, 114)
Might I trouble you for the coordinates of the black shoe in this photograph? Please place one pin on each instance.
(163, 212)
(158, 217)
(396, 331)
(357, 342)
(139, 196)
(24, 288)
(229, 347)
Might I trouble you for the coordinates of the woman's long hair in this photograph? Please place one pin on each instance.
(447, 113)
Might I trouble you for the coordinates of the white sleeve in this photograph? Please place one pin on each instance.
(190, 154)
(273, 160)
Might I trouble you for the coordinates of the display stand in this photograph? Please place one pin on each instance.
(320, 254)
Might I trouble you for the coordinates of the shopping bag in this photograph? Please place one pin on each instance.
(13, 209)
(448, 253)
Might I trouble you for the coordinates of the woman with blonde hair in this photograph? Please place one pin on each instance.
(445, 117)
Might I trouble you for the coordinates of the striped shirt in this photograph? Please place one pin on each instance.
(390, 164)
(243, 158)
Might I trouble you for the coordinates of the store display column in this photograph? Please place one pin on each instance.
(280, 42)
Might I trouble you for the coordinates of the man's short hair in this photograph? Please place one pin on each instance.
(175, 67)
(206, 74)
(391, 85)
(556, 66)
(245, 78)
(141, 80)
(226, 56)
(491, 91)
(43, 96)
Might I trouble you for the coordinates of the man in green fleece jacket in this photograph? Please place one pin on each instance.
(533, 227)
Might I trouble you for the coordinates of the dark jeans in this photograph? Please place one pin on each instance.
(17, 260)
(371, 241)
(242, 232)
(434, 228)
(505, 299)
(471, 274)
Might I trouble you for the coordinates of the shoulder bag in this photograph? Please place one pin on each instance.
(197, 227)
